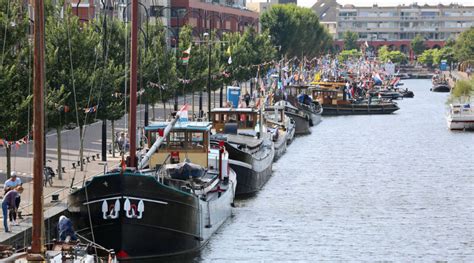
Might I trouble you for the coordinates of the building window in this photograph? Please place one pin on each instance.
(178, 12)
(451, 13)
(156, 11)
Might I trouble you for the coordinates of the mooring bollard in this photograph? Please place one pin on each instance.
(93, 157)
(97, 155)
(87, 158)
(54, 198)
(63, 169)
(73, 165)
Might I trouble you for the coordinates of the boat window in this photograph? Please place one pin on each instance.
(186, 140)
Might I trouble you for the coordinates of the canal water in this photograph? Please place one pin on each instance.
(363, 188)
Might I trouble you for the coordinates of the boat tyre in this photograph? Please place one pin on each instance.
(311, 122)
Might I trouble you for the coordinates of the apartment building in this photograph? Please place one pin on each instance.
(261, 6)
(395, 26)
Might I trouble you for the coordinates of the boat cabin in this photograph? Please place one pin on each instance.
(275, 114)
(186, 140)
(244, 118)
(327, 95)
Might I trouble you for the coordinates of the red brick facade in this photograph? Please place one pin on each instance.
(207, 16)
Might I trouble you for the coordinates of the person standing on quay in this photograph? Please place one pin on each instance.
(10, 184)
(9, 203)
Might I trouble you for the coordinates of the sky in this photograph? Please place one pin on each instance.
(309, 3)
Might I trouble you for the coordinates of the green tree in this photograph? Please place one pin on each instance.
(386, 55)
(418, 44)
(350, 40)
(347, 54)
(15, 73)
(55, 114)
(445, 53)
(427, 57)
(295, 29)
(158, 67)
(464, 47)
(72, 56)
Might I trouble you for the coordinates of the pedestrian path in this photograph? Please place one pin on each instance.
(56, 195)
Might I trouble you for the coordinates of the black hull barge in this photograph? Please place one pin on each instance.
(359, 109)
(251, 150)
(172, 208)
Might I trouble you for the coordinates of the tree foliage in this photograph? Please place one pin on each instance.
(418, 44)
(386, 55)
(427, 57)
(464, 47)
(445, 53)
(350, 40)
(295, 29)
(346, 54)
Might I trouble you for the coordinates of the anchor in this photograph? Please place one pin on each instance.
(114, 210)
(131, 210)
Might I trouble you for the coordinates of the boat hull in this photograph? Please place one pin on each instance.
(302, 126)
(158, 221)
(252, 171)
(354, 109)
(280, 146)
(441, 88)
(460, 125)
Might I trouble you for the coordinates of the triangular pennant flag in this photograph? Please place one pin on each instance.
(230, 60)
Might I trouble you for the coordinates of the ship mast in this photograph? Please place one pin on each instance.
(37, 246)
(132, 130)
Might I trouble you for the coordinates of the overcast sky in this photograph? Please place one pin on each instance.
(309, 3)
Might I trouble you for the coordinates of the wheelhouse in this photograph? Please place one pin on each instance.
(186, 140)
(245, 118)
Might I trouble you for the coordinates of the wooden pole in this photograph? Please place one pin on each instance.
(38, 128)
(133, 84)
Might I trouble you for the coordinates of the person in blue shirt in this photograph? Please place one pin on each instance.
(9, 203)
(65, 229)
(11, 183)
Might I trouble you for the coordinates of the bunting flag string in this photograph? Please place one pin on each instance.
(5, 143)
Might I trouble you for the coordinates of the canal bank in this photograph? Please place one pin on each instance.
(396, 187)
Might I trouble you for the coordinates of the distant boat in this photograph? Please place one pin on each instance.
(251, 150)
(403, 75)
(441, 87)
(440, 84)
(460, 117)
(334, 104)
(301, 118)
(281, 127)
(387, 94)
